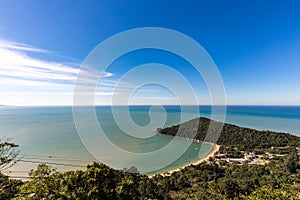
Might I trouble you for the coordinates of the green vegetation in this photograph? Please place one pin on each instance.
(98, 181)
(8, 156)
(8, 153)
(231, 136)
(203, 181)
(277, 177)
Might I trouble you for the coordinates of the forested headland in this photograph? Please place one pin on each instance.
(273, 173)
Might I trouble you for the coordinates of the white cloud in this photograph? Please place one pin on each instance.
(29, 76)
(20, 46)
(27, 71)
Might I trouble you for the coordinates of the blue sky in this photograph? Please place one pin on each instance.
(255, 45)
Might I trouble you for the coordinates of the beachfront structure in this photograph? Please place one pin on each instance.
(236, 160)
(247, 157)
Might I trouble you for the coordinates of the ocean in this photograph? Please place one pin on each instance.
(49, 135)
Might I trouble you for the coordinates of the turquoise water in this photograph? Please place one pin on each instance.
(48, 134)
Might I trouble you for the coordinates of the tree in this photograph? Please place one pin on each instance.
(267, 192)
(9, 153)
(8, 187)
(8, 156)
(127, 189)
(292, 161)
(44, 183)
(132, 170)
(73, 184)
(101, 181)
(231, 188)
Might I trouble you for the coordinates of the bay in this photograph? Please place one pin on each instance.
(48, 134)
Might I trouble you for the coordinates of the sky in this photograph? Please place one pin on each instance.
(254, 44)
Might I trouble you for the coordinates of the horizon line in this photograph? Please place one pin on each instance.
(99, 105)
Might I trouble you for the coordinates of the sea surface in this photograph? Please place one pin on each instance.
(49, 135)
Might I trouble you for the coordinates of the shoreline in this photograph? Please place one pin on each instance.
(214, 150)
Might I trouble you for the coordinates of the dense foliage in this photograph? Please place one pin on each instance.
(8, 156)
(203, 181)
(8, 153)
(279, 178)
(204, 129)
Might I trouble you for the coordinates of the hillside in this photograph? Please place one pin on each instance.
(277, 177)
(231, 135)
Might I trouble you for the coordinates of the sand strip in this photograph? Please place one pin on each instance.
(201, 160)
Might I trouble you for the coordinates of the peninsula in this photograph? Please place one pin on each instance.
(247, 164)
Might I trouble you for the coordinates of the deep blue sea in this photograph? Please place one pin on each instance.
(48, 134)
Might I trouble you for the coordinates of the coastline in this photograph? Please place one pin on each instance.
(214, 150)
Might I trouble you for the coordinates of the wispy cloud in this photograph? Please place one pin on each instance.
(30, 73)
(27, 70)
(16, 63)
(20, 46)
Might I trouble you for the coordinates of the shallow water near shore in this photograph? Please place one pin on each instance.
(48, 134)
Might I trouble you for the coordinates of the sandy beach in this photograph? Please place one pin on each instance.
(201, 160)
